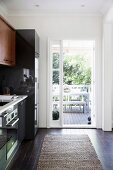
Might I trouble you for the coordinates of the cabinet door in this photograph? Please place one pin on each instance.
(13, 50)
(21, 125)
(10, 58)
(3, 40)
(7, 44)
(24, 53)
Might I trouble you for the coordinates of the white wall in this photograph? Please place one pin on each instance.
(107, 77)
(67, 27)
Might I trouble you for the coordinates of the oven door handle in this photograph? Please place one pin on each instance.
(15, 122)
(12, 124)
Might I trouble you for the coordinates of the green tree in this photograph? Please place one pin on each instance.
(55, 77)
(55, 60)
(55, 66)
(76, 70)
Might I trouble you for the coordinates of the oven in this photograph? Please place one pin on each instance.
(9, 121)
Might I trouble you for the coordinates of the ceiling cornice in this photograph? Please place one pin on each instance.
(16, 13)
(56, 13)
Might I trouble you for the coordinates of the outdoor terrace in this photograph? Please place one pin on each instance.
(76, 103)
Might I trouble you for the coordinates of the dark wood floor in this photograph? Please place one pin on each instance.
(28, 154)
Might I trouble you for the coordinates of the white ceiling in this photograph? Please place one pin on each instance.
(70, 6)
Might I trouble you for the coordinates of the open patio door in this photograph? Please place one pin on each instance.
(71, 87)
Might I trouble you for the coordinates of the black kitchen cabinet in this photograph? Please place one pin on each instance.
(31, 38)
(29, 125)
(27, 53)
(27, 46)
(24, 51)
(21, 124)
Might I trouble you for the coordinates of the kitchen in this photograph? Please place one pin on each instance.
(19, 58)
(54, 21)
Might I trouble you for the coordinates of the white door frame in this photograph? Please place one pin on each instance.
(98, 80)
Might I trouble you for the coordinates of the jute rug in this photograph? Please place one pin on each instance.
(68, 152)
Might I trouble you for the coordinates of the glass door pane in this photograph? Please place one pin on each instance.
(55, 54)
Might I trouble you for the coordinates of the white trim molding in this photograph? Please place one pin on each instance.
(107, 77)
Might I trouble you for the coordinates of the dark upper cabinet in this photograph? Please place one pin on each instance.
(27, 45)
(24, 53)
(31, 37)
(7, 44)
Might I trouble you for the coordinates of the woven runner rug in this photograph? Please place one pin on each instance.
(68, 152)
